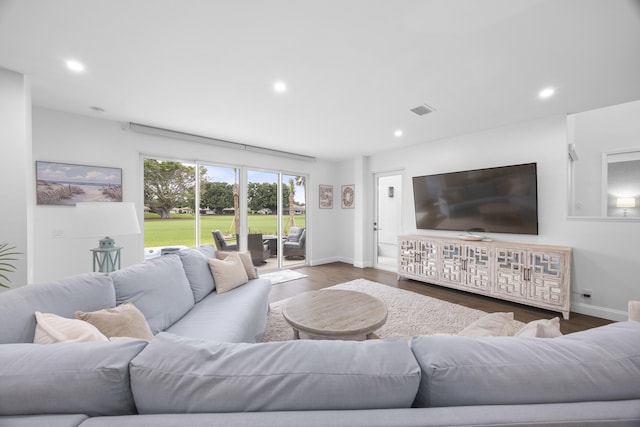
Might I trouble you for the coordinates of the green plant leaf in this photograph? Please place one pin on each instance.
(6, 254)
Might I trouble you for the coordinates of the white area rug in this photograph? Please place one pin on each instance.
(410, 314)
(282, 276)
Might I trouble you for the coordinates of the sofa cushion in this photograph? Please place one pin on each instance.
(177, 375)
(228, 273)
(239, 315)
(198, 273)
(88, 292)
(51, 328)
(73, 420)
(158, 287)
(67, 378)
(598, 364)
(124, 320)
(208, 251)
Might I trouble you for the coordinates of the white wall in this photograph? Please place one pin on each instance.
(389, 209)
(594, 132)
(16, 171)
(69, 138)
(605, 255)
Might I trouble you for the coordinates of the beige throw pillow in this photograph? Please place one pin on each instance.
(247, 262)
(229, 273)
(51, 328)
(124, 320)
(491, 325)
(543, 328)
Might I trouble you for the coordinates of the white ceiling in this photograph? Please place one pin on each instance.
(354, 68)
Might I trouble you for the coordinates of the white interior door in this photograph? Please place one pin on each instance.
(387, 222)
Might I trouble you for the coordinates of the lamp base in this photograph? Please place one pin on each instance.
(106, 243)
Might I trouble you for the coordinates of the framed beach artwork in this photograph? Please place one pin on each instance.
(326, 196)
(67, 184)
(348, 196)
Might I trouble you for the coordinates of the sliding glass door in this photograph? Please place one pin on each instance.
(275, 205)
(188, 204)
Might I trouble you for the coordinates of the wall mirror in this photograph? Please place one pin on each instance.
(604, 163)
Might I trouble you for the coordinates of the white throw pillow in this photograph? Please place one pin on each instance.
(491, 325)
(229, 273)
(543, 328)
(51, 328)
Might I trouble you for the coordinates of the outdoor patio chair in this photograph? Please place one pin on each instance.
(221, 243)
(294, 243)
(259, 248)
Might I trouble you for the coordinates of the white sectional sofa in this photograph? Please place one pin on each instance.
(205, 365)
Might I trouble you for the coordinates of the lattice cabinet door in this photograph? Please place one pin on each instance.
(451, 255)
(477, 267)
(407, 264)
(546, 277)
(427, 259)
(510, 266)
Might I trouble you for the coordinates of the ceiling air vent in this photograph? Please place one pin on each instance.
(423, 109)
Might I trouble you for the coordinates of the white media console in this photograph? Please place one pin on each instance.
(531, 274)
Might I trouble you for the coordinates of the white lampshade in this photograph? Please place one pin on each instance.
(626, 202)
(105, 219)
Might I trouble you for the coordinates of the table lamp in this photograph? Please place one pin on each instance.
(106, 219)
(625, 202)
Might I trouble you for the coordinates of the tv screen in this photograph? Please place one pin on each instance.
(494, 200)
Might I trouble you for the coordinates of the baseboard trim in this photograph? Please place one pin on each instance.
(321, 261)
(597, 311)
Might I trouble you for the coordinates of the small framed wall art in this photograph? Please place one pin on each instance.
(348, 196)
(325, 194)
(67, 184)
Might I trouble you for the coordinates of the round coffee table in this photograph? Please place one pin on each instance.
(335, 314)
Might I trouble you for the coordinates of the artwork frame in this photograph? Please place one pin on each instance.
(347, 195)
(325, 196)
(65, 184)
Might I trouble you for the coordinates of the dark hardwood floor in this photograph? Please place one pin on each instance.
(326, 275)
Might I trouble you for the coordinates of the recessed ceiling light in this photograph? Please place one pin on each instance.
(546, 93)
(398, 133)
(280, 87)
(75, 66)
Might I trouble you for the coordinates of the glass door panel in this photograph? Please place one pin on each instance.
(294, 218)
(169, 206)
(262, 218)
(219, 196)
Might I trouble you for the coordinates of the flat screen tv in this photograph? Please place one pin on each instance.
(494, 200)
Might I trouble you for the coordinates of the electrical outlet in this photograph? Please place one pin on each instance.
(58, 233)
(586, 293)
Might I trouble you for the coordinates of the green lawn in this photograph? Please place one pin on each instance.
(180, 229)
